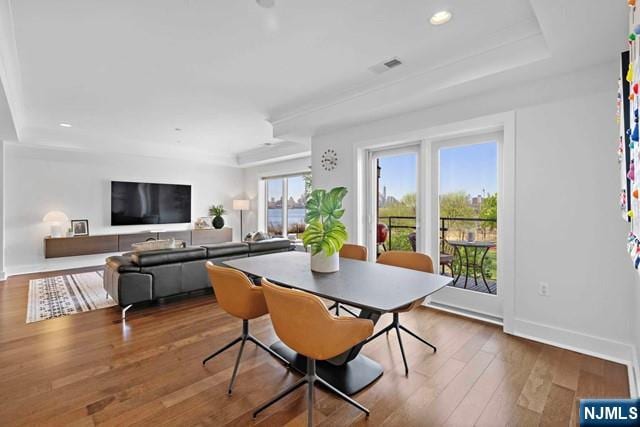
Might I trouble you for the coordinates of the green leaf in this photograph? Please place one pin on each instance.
(324, 232)
(313, 205)
(314, 233)
(327, 248)
(331, 206)
(339, 193)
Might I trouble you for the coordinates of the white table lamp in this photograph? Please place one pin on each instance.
(241, 205)
(56, 219)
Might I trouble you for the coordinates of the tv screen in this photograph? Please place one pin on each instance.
(134, 203)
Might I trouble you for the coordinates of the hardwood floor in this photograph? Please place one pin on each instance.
(90, 369)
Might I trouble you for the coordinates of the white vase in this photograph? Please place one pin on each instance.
(321, 263)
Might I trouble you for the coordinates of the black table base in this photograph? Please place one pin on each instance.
(349, 378)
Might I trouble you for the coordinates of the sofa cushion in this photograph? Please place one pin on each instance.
(194, 276)
(167, 279)
(168, 256)
(277, 243)
(215, 250)
(122, 264)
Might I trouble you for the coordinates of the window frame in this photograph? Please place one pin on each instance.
(285, 200)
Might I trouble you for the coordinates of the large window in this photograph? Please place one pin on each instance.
(275, 209)
(285, 204)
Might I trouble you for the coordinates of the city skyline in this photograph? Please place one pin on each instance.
(295, 187)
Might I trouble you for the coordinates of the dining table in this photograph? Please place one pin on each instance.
(373, 288)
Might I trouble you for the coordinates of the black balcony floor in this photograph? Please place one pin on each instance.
(477, 286)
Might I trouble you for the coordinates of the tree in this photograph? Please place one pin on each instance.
(409, 200)
(308, 185)
(489, 210)
(456, 205)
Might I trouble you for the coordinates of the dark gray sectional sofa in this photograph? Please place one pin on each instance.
(151, 275)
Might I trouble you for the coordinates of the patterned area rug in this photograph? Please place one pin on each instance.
(59, 296)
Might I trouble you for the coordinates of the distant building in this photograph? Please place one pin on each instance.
(476, 202)
(384, 200)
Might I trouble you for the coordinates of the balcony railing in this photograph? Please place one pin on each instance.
(451, 228)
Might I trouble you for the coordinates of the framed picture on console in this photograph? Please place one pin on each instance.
(80, 227)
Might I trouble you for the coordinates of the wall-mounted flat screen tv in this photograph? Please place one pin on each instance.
(134, 203)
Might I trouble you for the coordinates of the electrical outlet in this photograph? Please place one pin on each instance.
(543, 289)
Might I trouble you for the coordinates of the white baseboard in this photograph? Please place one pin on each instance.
(466, 313)
(591, 345)
(3, 276)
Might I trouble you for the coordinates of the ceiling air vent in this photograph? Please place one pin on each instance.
(385, 66)
(392, 63)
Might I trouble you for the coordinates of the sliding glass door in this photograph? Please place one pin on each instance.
(458, 189)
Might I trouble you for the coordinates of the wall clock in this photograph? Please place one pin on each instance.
(329, 160)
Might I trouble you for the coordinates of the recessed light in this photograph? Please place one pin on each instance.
(65, 125)
(440, 18)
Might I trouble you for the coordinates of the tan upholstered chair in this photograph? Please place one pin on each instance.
(414, 261)
(239, 297)
(304, 324)
(356, 252)
(359, 253)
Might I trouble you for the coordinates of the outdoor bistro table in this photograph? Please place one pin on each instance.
(475, 265)
(374, 288)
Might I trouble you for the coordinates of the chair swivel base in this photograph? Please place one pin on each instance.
(310, 379)
(350, 378)
(242, 339)
(395, 324)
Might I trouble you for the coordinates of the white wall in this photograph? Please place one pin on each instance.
(253, 219)
(568, 227)
(2, 205)
(636, 333)
(39, 180)
(569, 231)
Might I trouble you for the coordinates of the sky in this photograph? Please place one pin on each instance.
(295, 184)
(469, 168)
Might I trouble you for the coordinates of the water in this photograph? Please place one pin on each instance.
(296, 216)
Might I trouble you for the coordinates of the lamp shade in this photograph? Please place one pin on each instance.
(55, 216)
(241, 205)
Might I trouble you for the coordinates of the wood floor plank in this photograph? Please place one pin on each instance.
(447, 401)
(567, 370)
(503, 403)
(535, 390)
(471, 347)
(469, 410)
(615, 379)
(92, 369)
(557, 410)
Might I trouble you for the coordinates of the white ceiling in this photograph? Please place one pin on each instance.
(126, 73)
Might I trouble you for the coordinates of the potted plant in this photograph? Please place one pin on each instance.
(216, 211)
(325, 233)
